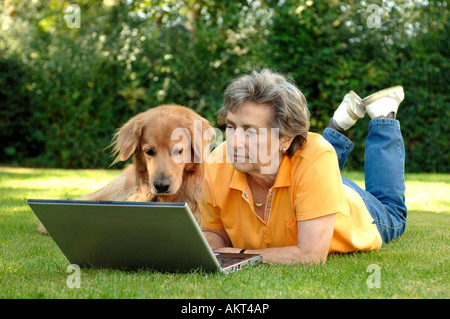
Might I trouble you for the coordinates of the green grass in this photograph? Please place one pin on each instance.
(31, 265)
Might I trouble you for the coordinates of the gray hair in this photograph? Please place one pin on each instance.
(291, 115)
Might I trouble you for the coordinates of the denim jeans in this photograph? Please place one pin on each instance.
(384, 162)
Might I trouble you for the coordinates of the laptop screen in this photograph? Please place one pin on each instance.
(130, 235)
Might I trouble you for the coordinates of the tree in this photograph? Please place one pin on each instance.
(75, 86)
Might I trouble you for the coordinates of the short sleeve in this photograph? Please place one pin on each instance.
(319, 190)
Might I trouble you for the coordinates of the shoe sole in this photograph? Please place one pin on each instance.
(378, 95)
(354, 99)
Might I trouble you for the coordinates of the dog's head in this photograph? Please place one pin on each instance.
(168, 142)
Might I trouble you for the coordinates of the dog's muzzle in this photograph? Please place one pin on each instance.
(162, 185)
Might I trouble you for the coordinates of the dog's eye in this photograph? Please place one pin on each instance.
(150, 152)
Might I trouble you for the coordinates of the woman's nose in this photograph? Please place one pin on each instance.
(239, 138)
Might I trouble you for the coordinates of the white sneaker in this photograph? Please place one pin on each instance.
(350, 110)
(383, 102)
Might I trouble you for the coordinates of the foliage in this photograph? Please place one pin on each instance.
(64, 91)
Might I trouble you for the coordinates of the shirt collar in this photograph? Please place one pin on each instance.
(238, 180)
(283, 178)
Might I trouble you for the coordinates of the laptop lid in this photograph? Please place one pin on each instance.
(107, 234)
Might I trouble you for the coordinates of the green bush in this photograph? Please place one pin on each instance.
(18, 138)
(64, 91)
(329, 61)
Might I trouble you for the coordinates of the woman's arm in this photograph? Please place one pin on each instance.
(313, 243)
(216, 238)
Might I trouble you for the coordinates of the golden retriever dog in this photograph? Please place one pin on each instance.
(169, 144)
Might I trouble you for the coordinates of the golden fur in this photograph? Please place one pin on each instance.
(167, 143)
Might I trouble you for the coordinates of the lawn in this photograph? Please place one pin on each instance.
(414, 266)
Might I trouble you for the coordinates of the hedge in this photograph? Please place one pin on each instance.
(64, 91)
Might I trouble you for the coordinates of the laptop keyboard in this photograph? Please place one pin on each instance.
(227, 261)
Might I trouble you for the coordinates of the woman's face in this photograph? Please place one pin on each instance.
(252, 145)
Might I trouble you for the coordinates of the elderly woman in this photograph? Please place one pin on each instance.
(275, 189)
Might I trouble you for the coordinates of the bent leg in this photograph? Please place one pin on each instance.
(342, 145)
(385, 177)
(384, 174)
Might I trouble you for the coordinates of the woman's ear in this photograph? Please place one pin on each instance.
(285, 142)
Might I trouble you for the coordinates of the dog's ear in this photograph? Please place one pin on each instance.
(203, 135)
(126, 139)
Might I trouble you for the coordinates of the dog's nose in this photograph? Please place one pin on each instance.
(162, 185)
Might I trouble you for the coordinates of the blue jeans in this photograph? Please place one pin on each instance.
(384, 163)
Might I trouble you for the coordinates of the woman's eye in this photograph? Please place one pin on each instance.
(150, 152)
(251, 131)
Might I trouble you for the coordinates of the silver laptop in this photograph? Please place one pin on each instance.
(132, 235)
